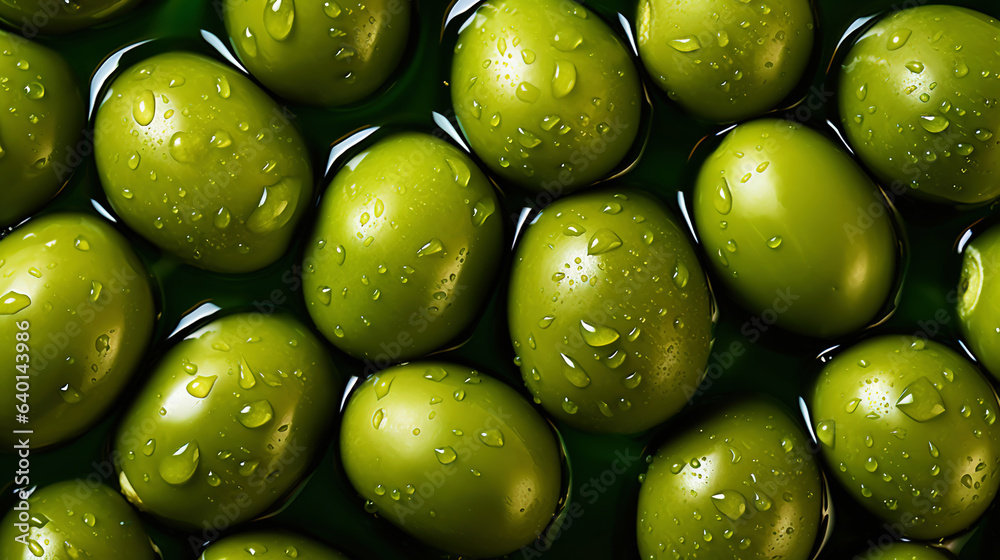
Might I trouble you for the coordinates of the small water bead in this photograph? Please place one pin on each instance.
(445, 455)
(897, 39)
(685, 44)
(934, 123)
(279, 18)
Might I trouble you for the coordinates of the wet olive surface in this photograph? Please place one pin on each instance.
(750, 353)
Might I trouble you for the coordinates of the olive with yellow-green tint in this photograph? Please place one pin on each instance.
(794, 229)
(228, 423)
(979, 299)
(725, 60)
(917, 100)
(200, 161)
(41, 122)
(319, 53)
(545, 92)
(269, 545)
(610, 314)
(406, 245)
(908, 427)
(77, 308)
(738, 482)
(44, 17)
(455, 458)
(71, 520)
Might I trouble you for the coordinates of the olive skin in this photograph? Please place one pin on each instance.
(319, 53)
(56, 18)
(907, 426)
(546, 94)
(406, 246)
(269, 545)
(915, 103)
(904, 551)
(42, 120)
(73, 291)
(197, 159)
(230, 421)
(610, 314)
(457, 459)
(728, 68)
(822, 262)
(979, 299)
(740, 483)
(72, 519)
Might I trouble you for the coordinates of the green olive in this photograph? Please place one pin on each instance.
(546, 94)
(907, 426)
(979, 299)
(725, 60)
(41, 122)
(609, 312)
(407, 243)
(196, 158)
(77, 311)
(32, 17)
(71, 520)
(228, 423)
(319, 53)
(455, 458)
(739, 483)
(917, 100)
(795, 230)
(270, 545)
(903, 551)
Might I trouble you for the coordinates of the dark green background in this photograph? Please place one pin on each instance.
(775, 363)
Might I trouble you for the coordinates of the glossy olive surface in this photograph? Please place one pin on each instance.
(197, 159)
(795, 230)
(268, 545)
(41, 120)
(545, 92)
(73, 520)
(979, 299)
(32, 17)
(405, 249)
(228, 423)
(609, 312)
(908, 427)
(319, 53)
(904, 551)
(453, 457)
(739, 483)
(725, 60)
(78, 301)
(918, 100)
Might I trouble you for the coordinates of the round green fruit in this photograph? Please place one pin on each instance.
(319, 53)
(455, 458)
(40, 125)
(907, 426)
(979, 299)
(229, 421)
(795, 230)
(73, 519)
(739, 483)
(725, 60)
(269, 545)
(609, 312)
(32, 17)
(546, 94)
(917, 100)
(197, 159)
(76, 306)
(904, 551)
(405, 249)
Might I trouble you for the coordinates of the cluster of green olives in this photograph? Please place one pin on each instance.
(610, 308)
